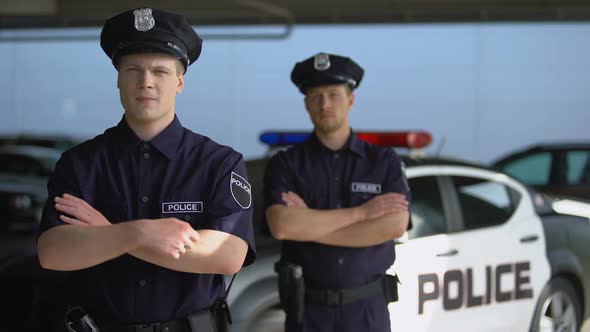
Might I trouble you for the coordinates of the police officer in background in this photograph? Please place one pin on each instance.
(337, 203)
(148, 216)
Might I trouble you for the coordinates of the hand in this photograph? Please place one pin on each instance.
(293, 200)
(169, 237)
(82, 212)
(381, 205)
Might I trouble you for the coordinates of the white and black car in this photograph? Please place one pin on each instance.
(486, 253)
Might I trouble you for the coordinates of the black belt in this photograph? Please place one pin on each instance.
(179, 325)
(380, 286)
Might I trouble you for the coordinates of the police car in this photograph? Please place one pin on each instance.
(486, 252)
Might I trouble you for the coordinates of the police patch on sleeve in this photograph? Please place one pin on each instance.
(240, 190)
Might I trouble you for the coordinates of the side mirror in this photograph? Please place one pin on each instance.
(402, 239)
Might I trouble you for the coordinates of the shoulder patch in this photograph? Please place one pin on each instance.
(240, 190)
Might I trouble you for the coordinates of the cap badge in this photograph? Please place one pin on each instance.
(144, 21)
(321, 61)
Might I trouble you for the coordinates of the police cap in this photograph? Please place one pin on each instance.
(325, 69)
(146, 30)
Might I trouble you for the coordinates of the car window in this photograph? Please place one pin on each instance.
(428, 216)
(578, 167)
(484, 203)
(532, 169)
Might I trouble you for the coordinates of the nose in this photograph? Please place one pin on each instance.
(324, 102)
(145, 79)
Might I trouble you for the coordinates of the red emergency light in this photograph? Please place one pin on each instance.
(402, 139)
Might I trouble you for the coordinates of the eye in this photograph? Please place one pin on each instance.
(161, 71)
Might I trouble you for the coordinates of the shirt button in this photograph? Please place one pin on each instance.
(336, 156)
(146, 155)
(145, 199)
(340, 260)
(338, 205)
(187, 217)
(146, 146)
(142, 283)
(336, 179)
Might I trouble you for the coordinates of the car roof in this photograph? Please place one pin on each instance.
(32, 150)
(544, 147)
(412, 161)
(60, 141)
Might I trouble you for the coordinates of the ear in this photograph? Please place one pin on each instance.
(351, 99)
(180, 86)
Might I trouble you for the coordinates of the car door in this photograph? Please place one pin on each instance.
(486, 271)
(424, 256)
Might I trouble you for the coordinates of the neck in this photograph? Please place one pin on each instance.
(148, 130)
(334, 140)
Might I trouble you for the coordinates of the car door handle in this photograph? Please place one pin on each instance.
(529, 238)
(452, 252)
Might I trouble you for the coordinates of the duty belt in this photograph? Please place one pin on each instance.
(385, 285)
(179, 325)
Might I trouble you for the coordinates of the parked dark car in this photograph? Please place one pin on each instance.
(24, 171)
(561, 169)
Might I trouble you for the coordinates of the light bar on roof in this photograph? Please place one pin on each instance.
(405, 139)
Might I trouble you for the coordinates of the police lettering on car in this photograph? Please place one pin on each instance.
(337, 203)
(149, 216)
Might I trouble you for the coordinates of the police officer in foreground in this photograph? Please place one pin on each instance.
(148, 216)
(337, 203)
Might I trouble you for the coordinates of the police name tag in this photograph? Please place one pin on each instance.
(361, 187)
(182, 207)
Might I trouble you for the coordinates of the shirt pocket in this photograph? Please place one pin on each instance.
(183, 207)
(363, 190)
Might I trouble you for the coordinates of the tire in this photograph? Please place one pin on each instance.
(558, 308)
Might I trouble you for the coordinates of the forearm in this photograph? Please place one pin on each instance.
(73, 247)
(370, 232)
(215, 253)
(304, 224)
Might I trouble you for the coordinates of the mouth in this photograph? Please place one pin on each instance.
(145, 99)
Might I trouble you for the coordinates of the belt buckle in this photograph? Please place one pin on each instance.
(333, 297)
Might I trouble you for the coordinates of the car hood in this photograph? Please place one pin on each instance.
(572, 207)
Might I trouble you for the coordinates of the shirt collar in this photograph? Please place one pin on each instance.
(354, 144)
(167, 142)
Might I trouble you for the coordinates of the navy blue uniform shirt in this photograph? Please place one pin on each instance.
(178, 174)
(327, 179)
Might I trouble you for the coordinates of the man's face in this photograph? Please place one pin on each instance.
(328, 106)
(148, 85)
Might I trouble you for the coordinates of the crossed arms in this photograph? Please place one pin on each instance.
(89, 239)
(380, 219)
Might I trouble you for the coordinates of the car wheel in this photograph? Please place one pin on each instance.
(558, 308)
(270, 320)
